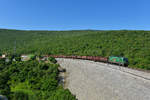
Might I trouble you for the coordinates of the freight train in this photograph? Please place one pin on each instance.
(122, 61)
(111, 59)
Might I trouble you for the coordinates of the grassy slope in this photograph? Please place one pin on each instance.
(131, 44)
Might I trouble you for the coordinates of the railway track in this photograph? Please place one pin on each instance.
(133, 72)
(105, 60)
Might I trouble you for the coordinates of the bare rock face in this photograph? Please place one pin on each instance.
(90, 80)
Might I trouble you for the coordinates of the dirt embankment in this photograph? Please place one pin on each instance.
(90, 80)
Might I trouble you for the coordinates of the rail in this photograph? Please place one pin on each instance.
(105, 60)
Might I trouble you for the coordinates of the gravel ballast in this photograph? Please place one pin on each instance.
(90, 80)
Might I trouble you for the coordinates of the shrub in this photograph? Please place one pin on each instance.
(19, 95)
(52, 59)
(62, 94)
(30, 80)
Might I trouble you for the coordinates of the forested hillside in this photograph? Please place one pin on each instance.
(32, 80)
(131, 44)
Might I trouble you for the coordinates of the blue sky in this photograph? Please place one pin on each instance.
(75, 14)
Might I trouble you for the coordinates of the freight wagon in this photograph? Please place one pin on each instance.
(112, 59)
